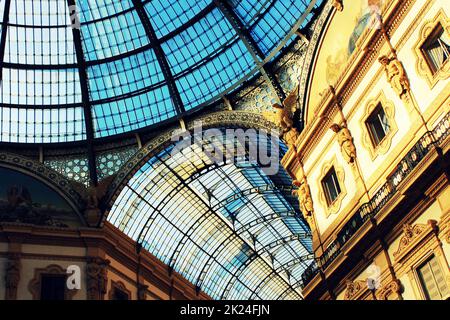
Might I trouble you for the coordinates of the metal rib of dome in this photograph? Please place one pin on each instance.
(132, 63)
(228, 227)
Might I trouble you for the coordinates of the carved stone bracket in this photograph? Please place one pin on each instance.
(12, 276)
(391, 290)
(345, 140)
(396, 76)
(305, 200)
(355, 289)
(97, 279)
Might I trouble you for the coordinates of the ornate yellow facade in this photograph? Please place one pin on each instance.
(385, 232)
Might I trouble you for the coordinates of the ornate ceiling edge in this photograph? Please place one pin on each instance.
(310, 55)
(53, 179)
(241, 119)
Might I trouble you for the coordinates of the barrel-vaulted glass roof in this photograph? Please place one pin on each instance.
(231, 228)
(84, 69)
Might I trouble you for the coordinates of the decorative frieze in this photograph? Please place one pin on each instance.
(412, 235)
(354, 289)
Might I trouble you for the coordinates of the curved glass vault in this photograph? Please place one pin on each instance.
(84, 69)
(228, 227)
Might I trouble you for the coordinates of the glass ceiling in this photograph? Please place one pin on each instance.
(132, 63)
(229, 228)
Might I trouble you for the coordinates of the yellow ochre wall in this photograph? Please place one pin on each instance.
(317, 147)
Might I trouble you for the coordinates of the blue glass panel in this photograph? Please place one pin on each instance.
(168, 15)
(196, 43)
(124, 76)
(28, 125)
(249, 10)
(132, 113)
(205, 54)
(38, 13)
(40, 87)
(215, 76)
(53, 46)
(98, 9)
(277, 22)
(113, 36)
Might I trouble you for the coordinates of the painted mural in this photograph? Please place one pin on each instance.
(24, 199)
(339, 43)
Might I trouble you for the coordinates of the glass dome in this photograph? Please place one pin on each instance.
(86, 69)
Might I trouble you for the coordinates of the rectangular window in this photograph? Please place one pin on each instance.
(432, 280)
(331, 186)
(53, 287)
(437, 49)
(378, 125)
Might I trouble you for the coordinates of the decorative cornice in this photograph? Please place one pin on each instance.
(121, 248)
(412, 235)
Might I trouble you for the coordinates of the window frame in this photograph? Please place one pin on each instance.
(334, 206)
(434, 36)
(331, 174)
(367, 140)
(34, 286)
(423, 67)
(420, 281)
(119, 286)
(376, 141)
(52, 275)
